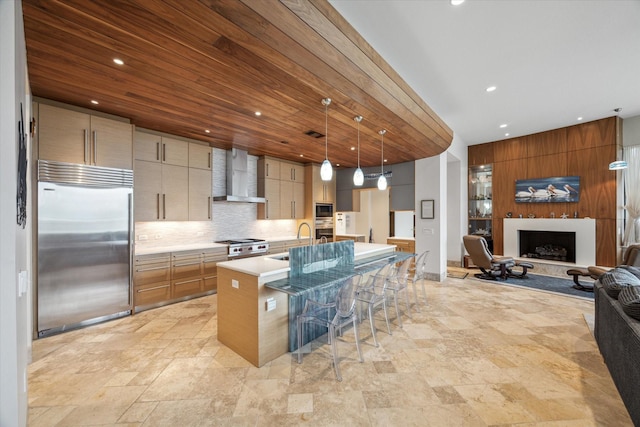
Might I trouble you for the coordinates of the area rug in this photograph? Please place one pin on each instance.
(544, 283)
(457, 274)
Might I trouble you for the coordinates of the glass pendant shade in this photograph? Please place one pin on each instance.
(617, 165)
(382, 183)
(326, 171)
(358, 177)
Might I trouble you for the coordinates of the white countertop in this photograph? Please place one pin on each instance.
(350, 235)
(266, 265)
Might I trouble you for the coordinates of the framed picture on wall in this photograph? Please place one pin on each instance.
(426, 209)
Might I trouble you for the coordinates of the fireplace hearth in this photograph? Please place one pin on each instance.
(549, 245)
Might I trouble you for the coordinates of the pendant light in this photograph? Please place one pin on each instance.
(358, 175)
(326, 172)
(382, 181)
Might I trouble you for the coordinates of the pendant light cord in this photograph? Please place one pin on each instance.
(358, 121)
(326, 130)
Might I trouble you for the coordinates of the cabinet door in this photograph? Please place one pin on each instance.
(286, 200)
(175, 152)
(147, 190)
(323, 191)
(199, 194)
(270, 190)
(271, 169)
(111, 143)
(175, 193)
(199, 156)
(147, 147)
(63, 135)
(298, 200)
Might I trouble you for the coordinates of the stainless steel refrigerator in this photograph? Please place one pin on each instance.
(85, 223)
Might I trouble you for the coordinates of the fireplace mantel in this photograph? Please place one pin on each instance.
(585, 229)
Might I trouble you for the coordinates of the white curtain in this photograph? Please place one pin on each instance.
(631, 177)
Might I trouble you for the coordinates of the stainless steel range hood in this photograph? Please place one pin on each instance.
(238, 179)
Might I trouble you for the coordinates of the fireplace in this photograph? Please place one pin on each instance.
(550, 245)
(583, 228)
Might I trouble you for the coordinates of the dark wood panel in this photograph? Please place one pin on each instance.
(591, 134)
(597, 182)
(480, 154)
(606, 242)
(504, 190)
(510, 149)
(550, 142)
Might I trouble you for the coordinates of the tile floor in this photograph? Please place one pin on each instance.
(480, 354)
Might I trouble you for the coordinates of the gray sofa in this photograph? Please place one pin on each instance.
(618, 337)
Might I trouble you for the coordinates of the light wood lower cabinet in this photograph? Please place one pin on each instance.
(151, 279)
(165, 278)
(402, 245)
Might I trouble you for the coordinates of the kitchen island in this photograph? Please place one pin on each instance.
(258, 298)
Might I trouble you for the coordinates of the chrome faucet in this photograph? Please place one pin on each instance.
(323, 239)
(300, 229)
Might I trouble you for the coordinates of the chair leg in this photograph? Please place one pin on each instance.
(406, 299)
(386, 314)
(357, 334)
(373, 327)
(300, 325)
(395, 301)
(414, 284)
(334, 351)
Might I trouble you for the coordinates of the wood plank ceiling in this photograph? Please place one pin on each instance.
(195, 65)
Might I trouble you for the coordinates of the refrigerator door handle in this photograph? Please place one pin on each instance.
(130, 197)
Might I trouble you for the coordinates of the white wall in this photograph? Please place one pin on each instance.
(14, 245)
(631, 131)
(457, 176)
(374, 214)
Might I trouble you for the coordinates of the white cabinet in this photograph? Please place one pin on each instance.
(199, 156)
(199, 194)
(76, 137)
(321, 191)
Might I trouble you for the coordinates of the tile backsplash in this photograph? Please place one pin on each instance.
(230, 220)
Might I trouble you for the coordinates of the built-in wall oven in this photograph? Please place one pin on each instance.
(324, 222)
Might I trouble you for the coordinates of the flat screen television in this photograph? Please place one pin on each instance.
(559, 189)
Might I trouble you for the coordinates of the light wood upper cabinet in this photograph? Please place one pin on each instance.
(199, 194)
(161, 192)
(76, 137)
(321, 191)
(200, 156)
(161, 149)
(281, 183)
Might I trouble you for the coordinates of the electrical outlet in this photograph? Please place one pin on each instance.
(235, 284)
(427, 230)
(270, 304)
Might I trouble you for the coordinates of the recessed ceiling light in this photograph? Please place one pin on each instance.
(506, 134)
(579, 118)
(456, 2)
(118, 61)
(258, 113)
(353, 148)
(491, 88)
(337, 165)
(385, 160)
(94, 102)
(301, 155)
(502, 126)
(207, 131)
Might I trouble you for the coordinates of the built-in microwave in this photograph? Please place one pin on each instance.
(324, 210)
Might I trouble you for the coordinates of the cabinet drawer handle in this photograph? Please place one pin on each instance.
(186, 264)
(186, 281)
(158, 151)
(152, 289)
(141, 270)
(211, 277)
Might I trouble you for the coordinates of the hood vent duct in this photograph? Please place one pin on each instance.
(238, 179)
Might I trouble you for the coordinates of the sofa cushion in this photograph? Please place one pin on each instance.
(614, 280)
(629, 299)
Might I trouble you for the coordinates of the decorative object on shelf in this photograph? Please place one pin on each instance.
(531, 215)
(617, 165)
(552, 215)
(564, 215)
(509, 214)
(382, 181)
(358, 175)
(548, 190)
(326, 171)
(575, 214)
(427, 209)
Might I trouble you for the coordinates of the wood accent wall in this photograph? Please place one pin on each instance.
(584, 150)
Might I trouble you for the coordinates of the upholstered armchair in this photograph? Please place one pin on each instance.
(492, 267)
(631, 258)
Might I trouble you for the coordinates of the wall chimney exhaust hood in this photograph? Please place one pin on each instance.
(237, 179)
